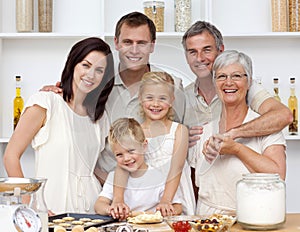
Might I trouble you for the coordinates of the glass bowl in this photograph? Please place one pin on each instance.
(181, 223)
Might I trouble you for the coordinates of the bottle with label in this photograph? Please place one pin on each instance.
(276, 89)
(293, 106)
(18, 102)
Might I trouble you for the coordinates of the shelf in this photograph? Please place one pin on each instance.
(4, 140)
(163, 35)
(51, 35)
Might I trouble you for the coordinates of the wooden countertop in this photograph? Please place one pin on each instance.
(292, 224)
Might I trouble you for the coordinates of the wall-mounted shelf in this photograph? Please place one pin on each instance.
(37, 35)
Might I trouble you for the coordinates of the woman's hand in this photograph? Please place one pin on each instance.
(218, 144)
(211, 148)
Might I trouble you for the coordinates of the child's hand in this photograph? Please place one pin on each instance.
(119, 210)
(166, 209)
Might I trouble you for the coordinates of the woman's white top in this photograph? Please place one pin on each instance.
(67, 148)
(217, 181)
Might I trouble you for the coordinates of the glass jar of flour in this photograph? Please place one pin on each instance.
(261, 201)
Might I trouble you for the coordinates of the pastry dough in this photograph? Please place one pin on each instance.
(92, 229)
(146, 218)
(59, 229)
(78, 228)
(68, 218)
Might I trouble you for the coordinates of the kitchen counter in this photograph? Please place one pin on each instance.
(292, 224)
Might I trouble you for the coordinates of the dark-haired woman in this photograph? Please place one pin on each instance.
(68, 133)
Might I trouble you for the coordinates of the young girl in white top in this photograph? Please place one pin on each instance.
(167, 144)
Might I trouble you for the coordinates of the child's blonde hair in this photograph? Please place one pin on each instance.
(157, 78)
(125, 127)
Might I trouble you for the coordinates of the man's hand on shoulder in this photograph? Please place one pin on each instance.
(194, 135)
(52, 88)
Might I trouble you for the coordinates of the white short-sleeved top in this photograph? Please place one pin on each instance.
(217, 181)
(67, 148)
(142, 193)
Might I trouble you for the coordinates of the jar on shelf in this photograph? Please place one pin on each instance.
(294, 15)
(261, 201)
(182, 15)
(45, 15)
(24, 15)
(155, 10)
(279, 15)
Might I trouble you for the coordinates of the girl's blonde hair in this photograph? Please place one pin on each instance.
(125, 127)
(157, 78)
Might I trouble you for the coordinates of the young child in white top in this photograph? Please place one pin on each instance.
(167, 144)
(145, 185)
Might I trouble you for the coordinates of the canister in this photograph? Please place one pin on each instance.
(279, 15)
(45, 15)
(294, 15)
(155, 11)
(182, 15)
(261, 201)
(24, 15)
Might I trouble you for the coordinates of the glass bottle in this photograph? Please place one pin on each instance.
(293, 106)
(18, 102)
(276, 89)
(261, 201)
(24, 15)
(182, 15)
(38, 204)
(279, 15)
(155, 11)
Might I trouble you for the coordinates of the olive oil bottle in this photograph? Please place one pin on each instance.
(276, 89)
(18, 102)
(293, 106)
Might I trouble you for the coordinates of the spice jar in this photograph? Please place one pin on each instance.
(155, 11)
(261, 201)
(45, 15)
(24, 15)
(182, 15)
(279, 15)
(294, 15)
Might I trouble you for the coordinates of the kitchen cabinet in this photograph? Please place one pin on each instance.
(246, 26)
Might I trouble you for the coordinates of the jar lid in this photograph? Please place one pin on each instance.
(266, 176)
(154, 3)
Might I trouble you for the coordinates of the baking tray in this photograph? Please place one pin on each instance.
(77, 216)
